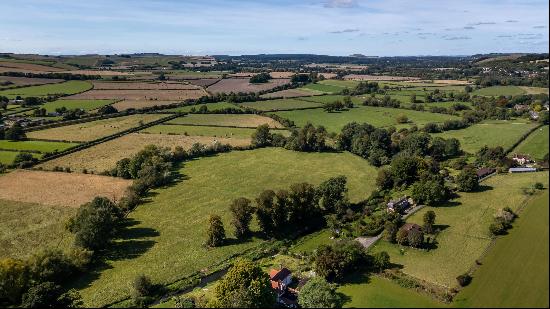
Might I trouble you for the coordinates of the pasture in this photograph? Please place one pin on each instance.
(245, 133)
(535, 145)
(102, 85)
(65, 88)
(226, 120)
(140, 95)
(165, 242)
(59, 189)
(242, 85)
(464, 229)
(26, 81)
(211, 107)
(25, 66)
(491, 133)
(7, 157)
(89, 131)
(39, 146)
(500, 90)
(291, 93)
(323, 88)
(376, 116)
(75, 104)
(103, 157)
(515, 272)
(280, 104)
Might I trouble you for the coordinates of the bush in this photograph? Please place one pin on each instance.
(142, 286)
(402, 118)
(464, 279)
(539, 186)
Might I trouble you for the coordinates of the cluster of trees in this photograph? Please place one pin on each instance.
(338, 105)
(308, 138)
(386, 101)
(365, 88)
(13, 133)
(203, 109)
(65, 76)
(260, 78)
(502, 221)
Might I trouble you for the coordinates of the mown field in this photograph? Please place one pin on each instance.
(7, 157)
(74, 104)
(226, 120)
(69, 87)
(515, 272)
(40, 146)
(280, 104)
(323, 88)
(211, 107)
(202, 131)
(166, 239)
(89, 131)
(464, 225)
(500, 90)
(491, 133)
(376, 116)
(535, 145)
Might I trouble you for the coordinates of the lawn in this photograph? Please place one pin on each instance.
(376, 292)
(535, 145)
(165, 240)
(376, 116)
(40, 146)
(464, 225)
(280, 104)
(491, 133)
(74, 104)
(7, 157)
(69, 87)
(515, 272)
(206, 131)
(500, 90)
(26, 228)
(211, 107)
(226, 120)
(89, 131)
(311, 242)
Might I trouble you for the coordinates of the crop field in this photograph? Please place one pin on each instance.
(89, 131)
(500, 90)
(26, 228)
(376, 116)
(103, 157)
(280, 104)
(74, 104)
(7, 157)
(242, 85)
(535, 145)
(229, 120)
(26, 81)
(140, 95)
(523, 254)
(173, 247)
(100, 85)
(464, 225)
(490, 133)
(291, 93)
(70, 87)
(12, 66)
(201, 131)
(203, 82)
(40, 146)
(211, 107)
(59, 189)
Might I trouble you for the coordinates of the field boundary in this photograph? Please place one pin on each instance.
(522, 138)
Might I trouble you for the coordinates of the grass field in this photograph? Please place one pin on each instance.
(166, 241)
(226, 120)
(324, 88)
(89, 131)
(210, 106)
(74, 104)
(7, 157)
(515, 272)
(280, 104)
(464, 225)
(534, 90)
(500, 90)
(376, 292)
(69, 87)
(535, 145)
(490, 133)
(376, 116)
(203, 131)
(25, 228)
(40, 146)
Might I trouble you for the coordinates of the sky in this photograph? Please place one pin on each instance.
(235, 27)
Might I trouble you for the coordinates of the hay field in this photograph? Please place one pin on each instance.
(244, 133)
(139, 104)
(89, 131)
(140, 95)
(59, 189)
(229, 120)
(11, 66)
(211, 107)
(281, 74)
(242, 85)
(40, 146)
(104, 156)
(27, 81)
(101, 85)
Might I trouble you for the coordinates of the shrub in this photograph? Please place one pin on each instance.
(464, 279)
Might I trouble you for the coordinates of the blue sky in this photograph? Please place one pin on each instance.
(334, 27)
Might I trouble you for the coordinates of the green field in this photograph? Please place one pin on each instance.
(376, 116)
(515, 272)
(491, 133)
(202, 131)
(25, 228)
(41, 146)
(165, 242)
(464, 225)
(74, 104)
(535, 145)
(7, 157)
(500, 90)
(376, 292)
(280, 104)
(69, 87)
(311, 242)
(339, 83)
(324, 88)
(211, 107)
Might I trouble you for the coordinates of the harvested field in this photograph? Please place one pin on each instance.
(204, 82)
(211, 107)
(140, 95)
(244, 133)
(229, 120)
(89, 131)
(128, 104)
(26, 81)
(100, 85)
(242, 85)
(291, 93)
(280, 104)
(282, 74)
(22, 67)
(104, 72)
(59, 189)
(377, 77)
(104, 156)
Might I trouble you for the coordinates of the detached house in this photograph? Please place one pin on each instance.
(280, 280)
(522, 159)
(399, 205)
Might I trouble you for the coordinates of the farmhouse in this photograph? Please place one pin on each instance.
(280, 279)
(522, 170)
(410, 227)
(484, 172)
(522, 159)
(399, 205)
